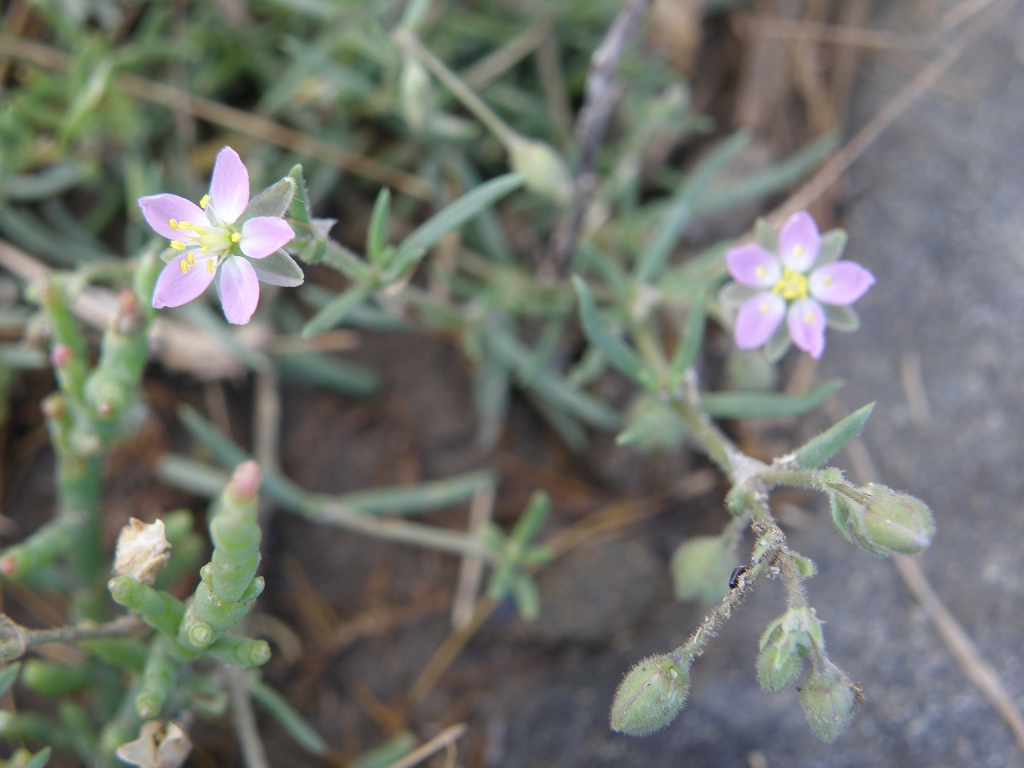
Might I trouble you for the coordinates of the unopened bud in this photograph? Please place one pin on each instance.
(129, 318)
(650, 696)
(828, 698)
(142, 550)
(245, 482)
(888, 522)
(54, 407)
(417, 95)
(701, 568)
(784, 645)
(157, 747)
(61, 355)
(543, 168)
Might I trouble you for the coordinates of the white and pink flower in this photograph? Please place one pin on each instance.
(213, 244)
(789, 287)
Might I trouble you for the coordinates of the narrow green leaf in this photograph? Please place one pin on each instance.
(532, 520)
(453, 216)
(8, 675)
(681, 208)
(526, 596)
(335, 311)
(615, 350)
(753, 405)
(40, 758)
(339, 375)
(689, 347)
(820, 449)
(377, 233)
(289, 718)
(422, 497)
(548, 386)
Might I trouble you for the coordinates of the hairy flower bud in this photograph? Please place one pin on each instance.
(886, 522)
(828, 698)
(650, 696)
(784, 645)
(543, 168)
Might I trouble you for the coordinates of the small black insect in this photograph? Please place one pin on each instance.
(734, 579)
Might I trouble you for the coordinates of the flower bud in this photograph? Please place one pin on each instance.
(701, 568)
(828, 698)
(417, 95)
(650, 696)
(784, 645)
(889, 522)
(245, 481)
(543, 168)
(130, 318)
(61, 355)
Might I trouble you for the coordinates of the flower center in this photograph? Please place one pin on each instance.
(214, 240)
(791, 286)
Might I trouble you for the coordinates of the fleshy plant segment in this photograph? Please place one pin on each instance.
(787, 286)
(212, 243)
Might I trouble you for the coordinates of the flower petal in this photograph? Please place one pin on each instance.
(229, 188)
(799, 242)
(239, 289)
(177, 285)
(758, 318)
(159, 210)
(264, 235)
(841, 282)
(806, 322)
(752, 265)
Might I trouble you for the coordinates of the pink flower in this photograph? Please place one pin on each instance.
(784, 286)
(213, 245)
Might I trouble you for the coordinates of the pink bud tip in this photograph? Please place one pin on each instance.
(127, 302)
(61, 355)
(8, 566)
(245, 482)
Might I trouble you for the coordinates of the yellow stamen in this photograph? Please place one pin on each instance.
(198, 231)
(191, 258)
(172, 224)
(765, 307)
(204, 201)
(209, 266)
(760, 271)
(204, 249)
(177, 245)
(808, 318)
(798, 250)
(184, 266)
(791, 286)
(828, 280)
(236, 237)
(184, 225)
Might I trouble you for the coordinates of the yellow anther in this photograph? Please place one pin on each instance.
(809, 318)
(798, 250)
(209, 266)
(198, 231)
(184, 266)
(184, 225)
(236, 237)
(204, 249)
(760, 271)
(172, 224)
(191, 258)
(791, 286)
(204, 201)
(177, 245)
(765, 306)
(828, 280)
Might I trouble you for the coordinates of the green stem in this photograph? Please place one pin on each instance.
(413, 47)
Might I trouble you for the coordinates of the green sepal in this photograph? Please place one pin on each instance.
(526, 597)
(833, 243)
(298, 206)
(765, 235)
(820, 449)
(274, 201)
